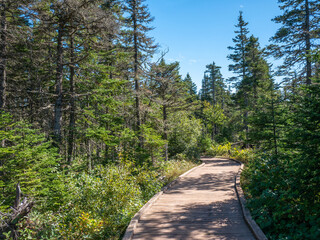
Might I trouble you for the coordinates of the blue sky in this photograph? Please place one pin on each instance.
(197, 32)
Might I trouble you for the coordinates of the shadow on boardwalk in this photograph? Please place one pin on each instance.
(202, 205)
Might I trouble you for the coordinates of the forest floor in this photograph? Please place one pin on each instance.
(202, 205)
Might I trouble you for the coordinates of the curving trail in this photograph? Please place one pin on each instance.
(201, 205)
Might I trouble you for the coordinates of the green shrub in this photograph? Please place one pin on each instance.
(26, 158)
(279, 198)
(174, 168)
(99, 204)
(219, 150)
(226, 150)
(184, 135)
(205, 144)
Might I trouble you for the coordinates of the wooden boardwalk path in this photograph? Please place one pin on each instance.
(202, 205)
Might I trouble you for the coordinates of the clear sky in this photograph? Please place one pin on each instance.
(197, 32)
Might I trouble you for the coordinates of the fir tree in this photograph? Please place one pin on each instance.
(71, 28)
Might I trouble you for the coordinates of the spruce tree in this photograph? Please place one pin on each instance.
(169, 92)
(142, 46)
(190, 85)
(74, 29)
(14, 36)
(215, 83)
(240, 67)
(259, 76)
(239, 51)
(204, 92)
(264, 100)
(3, 54)
(298, 37)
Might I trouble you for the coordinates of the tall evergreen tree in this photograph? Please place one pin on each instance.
(264, 100)
(259, 76)
(3, 54)
(204, 92)
(73, 25)
(216, 86)
(14, 27)
(168, 91)
(240, 65)
(190, 85)
(141, 45)
(239, 51)
(298, 36)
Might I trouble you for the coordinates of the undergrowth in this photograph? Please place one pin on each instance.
(100, 204)
(227, 150)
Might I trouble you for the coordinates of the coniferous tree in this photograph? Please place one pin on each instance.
(259, 76)
(142, 46)
(28, 159)
(264, 100)
(190, 85)
(267, 120)
(74, 26)
(216, 86)
(287, 129)
(169, 92)
(204, 92)
(91, 23)
(213, 93)
(3, 54)
(14, 30)
(239, 51)
(298, 36)
(240, 66)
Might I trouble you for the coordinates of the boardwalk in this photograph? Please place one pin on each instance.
(202, 205)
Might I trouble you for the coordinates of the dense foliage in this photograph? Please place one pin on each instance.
(279, 121)
(92, 125)
(87, 121)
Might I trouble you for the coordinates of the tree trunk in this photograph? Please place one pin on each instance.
(213, 86)
(212, 134)
(165, 131)
(136, 74)
(274, 128)
(9, 222)
(72, 103)
(213, 92)
(308, 43)
(245, 120)
(3, 56)
(89, 156)
(59, 78)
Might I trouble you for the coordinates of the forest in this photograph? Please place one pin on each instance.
(92, 125)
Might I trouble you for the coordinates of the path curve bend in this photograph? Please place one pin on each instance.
(203, 204)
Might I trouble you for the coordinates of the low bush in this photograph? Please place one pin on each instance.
(184, 135)
(174, 168)
(226, 150)
(100, 204)
(279, 197)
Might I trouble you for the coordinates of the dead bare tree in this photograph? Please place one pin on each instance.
(20, 209)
